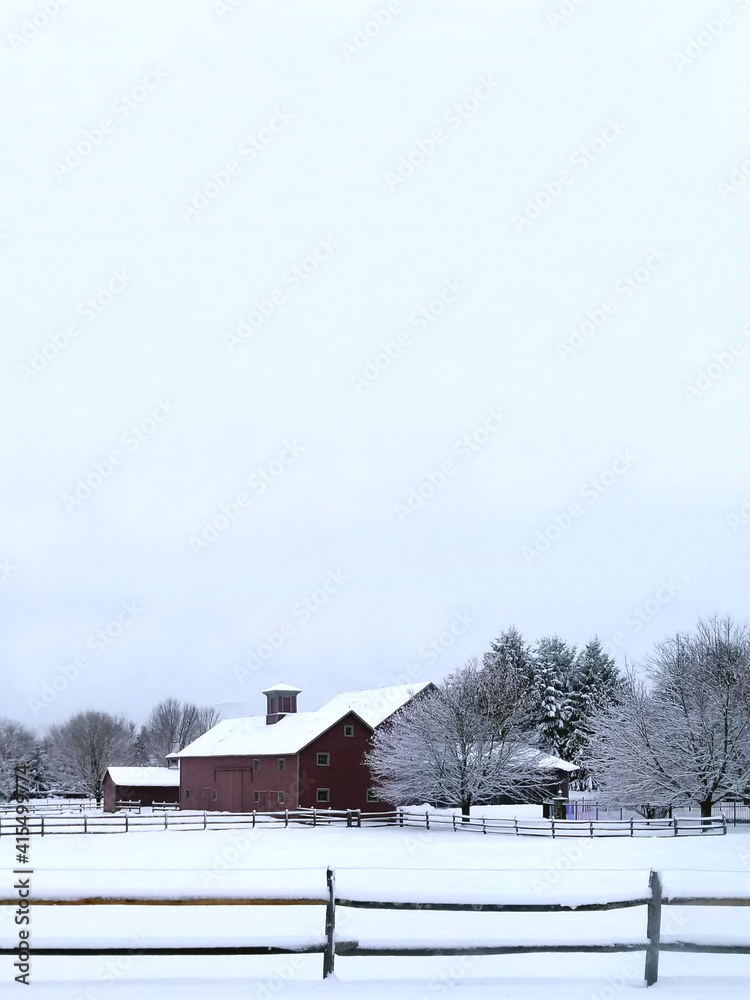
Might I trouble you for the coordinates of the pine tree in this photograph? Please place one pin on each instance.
(596, 685)
(506, 679)
(552, 690)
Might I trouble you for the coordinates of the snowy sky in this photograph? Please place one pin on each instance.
(235, 451)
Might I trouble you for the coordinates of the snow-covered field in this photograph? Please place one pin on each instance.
(376, 864)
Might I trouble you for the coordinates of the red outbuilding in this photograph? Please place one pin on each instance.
(289, 759)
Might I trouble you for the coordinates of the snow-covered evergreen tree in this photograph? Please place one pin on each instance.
(552, 691)
(506, 678)
(596, 684)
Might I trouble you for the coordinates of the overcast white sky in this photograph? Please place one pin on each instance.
(303, 127)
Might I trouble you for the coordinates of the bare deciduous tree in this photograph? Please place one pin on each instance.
(172, 725)
(82, 749)
(444, 747)
(686, 736)
(16, 747)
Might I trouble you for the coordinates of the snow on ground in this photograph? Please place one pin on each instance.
(377, 864)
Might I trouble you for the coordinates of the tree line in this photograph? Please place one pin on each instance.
(675, 733)
(74, 756)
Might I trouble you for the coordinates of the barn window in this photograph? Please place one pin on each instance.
(256, 764)
(187, 793)
(256, 796)
(323, 795)
(324, 759)
(214, 795)
(286, 704)
(280, 798)
(348, 730)
(282, 763)
(372, 795)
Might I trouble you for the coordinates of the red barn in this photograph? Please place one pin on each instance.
(289, 759)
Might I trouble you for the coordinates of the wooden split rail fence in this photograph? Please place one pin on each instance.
(329, 946)
(125, 822)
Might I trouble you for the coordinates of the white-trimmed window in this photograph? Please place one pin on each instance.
(256, 796)
(280, 797)
(324, 759)
(256, 764)
(348, 730)
(323, 795)
(214, 794)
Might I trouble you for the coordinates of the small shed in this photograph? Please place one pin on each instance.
(140, 784)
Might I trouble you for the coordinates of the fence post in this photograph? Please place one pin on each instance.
(631, 826)
(85, 828)
(591, 828)
(454, 822)
(205, 821)
(286, 817)
(165, 819)
(126, 822)
(427, 821)
(675, 826)
(515, 821)
(359, 818)
(553, 828)
(315, 821)
(329, 953)
(653, 929)
(401, 817)
(484, 825)
(724, 822)
(253, 819)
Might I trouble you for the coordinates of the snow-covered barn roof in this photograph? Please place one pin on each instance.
(549, 762)
(375, 705)
(146, 777)
(238, 737)
(293, 732)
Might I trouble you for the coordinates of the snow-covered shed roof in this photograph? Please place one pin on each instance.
(548, 762)
(375, 705)
(146, 777)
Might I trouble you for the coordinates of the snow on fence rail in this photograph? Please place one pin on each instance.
(330, 946)
(125, 822)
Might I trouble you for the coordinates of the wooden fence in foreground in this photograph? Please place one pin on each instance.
(123, 822)
(329, 946)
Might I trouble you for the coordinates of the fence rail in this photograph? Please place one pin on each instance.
(125, 822)
(330, 946)
(735, 813)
